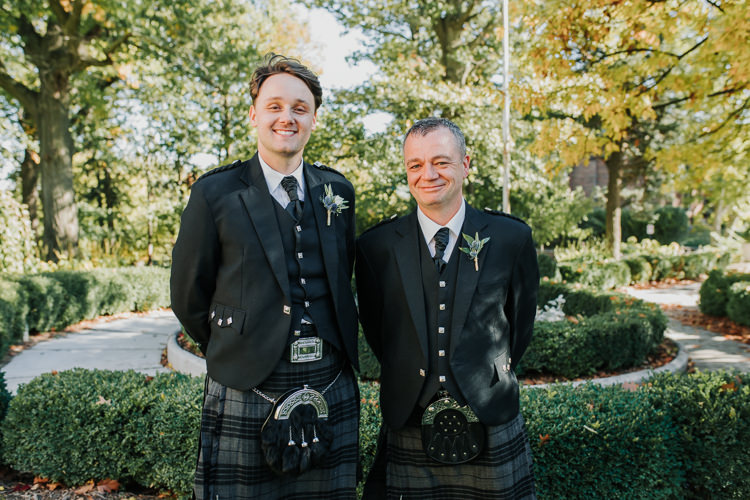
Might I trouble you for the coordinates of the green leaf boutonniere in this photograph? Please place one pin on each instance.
(333, 203)
(475, 246)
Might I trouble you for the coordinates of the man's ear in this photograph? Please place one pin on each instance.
(252, 115)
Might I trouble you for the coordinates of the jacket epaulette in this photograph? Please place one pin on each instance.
(223, 168)
(381, 223)
(320, 166)
(504, 214)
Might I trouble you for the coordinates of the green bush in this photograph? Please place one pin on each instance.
(369, 423)
(738, 305)
(54, 300)
(13, 313)
(603, 331)
(5, 398)
(17, 242)
(711, 411)
(640, 269)
(80, 424)
(602, 275)
(601, 442)
(671, 224)
(714, 292)
(547, 266)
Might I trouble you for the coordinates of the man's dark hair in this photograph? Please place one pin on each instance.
(274, 64)
(427, 125)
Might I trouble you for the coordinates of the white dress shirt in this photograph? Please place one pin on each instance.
(273, 179)
(430, 228)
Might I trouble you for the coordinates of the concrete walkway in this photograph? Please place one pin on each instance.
(122, 344)
(138, 341)
(708, 350)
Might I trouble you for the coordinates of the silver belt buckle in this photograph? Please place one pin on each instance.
(306, 349)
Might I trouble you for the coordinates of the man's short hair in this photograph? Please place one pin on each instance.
(427, 125)
(274, 64)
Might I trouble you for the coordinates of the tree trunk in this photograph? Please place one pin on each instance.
(614, 211)
(56, 151)
(30, 187)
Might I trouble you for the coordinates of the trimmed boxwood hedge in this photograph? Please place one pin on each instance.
(715, 294)
(55, 300)
(677, 436)
(738, 306)
(603, 331)
(77, 425)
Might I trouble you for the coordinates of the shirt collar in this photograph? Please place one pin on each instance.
(430, 227)
(273, 177)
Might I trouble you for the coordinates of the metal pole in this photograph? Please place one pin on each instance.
(506, 111)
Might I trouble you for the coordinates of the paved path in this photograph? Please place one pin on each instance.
(137, 343)
(707, 350)
(129, 343)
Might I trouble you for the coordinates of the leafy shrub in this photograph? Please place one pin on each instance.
(738, 305)
(55, 300)
(711, 411)
(17, 253)
(640, 269)
(80, 424)
(5, 398)
(714, 292)
(671, 224)
(369, 423)
(13, 313)
(602, 275)
(601, 442)
(547, 266)
(604, 331)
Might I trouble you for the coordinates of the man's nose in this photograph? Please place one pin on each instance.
(430, 171)
(287, 116)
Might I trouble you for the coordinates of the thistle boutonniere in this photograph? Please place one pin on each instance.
(475, 246)
(333, 203)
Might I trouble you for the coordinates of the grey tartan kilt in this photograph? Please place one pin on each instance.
(230, 461)
(502, 471)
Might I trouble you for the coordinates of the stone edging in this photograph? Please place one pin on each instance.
(187, 362)
(183, 361)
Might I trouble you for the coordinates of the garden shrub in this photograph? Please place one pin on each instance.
(370, 420)
(80, 424)
(13, 313)
(714, 292)
(738, 305)
(603, 275)
(603, 331)
(17, 240)
(601, 442)
(640, 269)
(547, 266)
(671, 224)
(711, 411)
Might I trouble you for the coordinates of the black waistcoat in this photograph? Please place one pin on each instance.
(308, 284)
(439, 290)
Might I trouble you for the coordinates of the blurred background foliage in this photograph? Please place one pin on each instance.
(147, 97)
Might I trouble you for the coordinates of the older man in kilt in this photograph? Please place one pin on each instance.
(447, 298)
(261, 280)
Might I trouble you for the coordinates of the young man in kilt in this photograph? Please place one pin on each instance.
(447, 298)
(260, 279)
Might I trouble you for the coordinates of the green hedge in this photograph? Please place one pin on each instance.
(711, 411)
(601, 442)
(738, 306)
(607, 331)
(606, 274)
(715, 291)
(80, 424)
(678, 436)
(55, 300)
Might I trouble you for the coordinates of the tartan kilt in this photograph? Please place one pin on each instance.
(503, 471)
(230, 461)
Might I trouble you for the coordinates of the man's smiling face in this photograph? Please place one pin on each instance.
(284, 115)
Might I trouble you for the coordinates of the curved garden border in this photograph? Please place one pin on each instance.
(187, 362)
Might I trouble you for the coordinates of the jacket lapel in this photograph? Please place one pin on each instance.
(259, 205)
(327, 234)
(406, 250)
(467, 275)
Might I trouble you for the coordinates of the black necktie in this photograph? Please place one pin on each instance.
(289, 183)
(441, 241)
